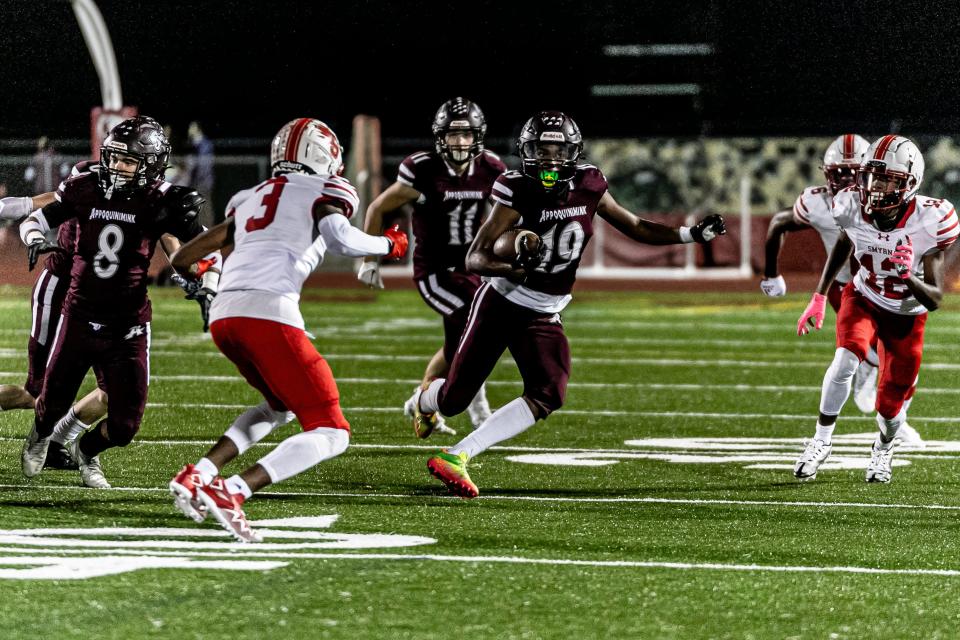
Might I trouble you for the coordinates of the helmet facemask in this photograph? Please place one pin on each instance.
(882, 194)
(459, 146)
(840, 176)
(118, 179)
(549, 163)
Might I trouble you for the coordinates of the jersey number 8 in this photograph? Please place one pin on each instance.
(107, 260)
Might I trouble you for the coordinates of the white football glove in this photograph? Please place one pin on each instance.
(774, 287)
(369, 274)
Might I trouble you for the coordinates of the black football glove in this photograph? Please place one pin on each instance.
(37, 248)
(529, 258)
(195, 291)
(708, 228)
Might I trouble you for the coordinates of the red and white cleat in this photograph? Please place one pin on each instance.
(227, 508)
(184, 488)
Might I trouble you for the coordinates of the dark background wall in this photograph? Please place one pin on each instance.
(243, 68)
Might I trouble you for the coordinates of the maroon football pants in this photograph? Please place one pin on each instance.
(49, 292)
(449, 293)
(122, 354)
(535, 340)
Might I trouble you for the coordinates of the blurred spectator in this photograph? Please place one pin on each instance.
(199, 168)
(174, 173)
(47, 168)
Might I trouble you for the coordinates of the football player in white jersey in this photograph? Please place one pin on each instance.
(814, 209)
(898, 237)
(279, 231)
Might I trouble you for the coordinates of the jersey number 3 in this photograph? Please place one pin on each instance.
(270, 200)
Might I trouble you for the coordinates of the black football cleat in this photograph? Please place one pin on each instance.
(59, 458)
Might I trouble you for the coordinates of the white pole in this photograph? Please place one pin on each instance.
(97, 37)
(746, 243)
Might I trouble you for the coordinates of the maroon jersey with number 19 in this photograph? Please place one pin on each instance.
(563, 218)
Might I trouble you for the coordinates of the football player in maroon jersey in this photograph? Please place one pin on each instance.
(49, 291)
(450, 190)
(518, 307)
(47, 298)
(121, 211)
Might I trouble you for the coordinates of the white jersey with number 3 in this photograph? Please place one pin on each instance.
(929, 224)
(276, 245)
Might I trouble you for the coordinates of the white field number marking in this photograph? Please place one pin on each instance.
(849, 452)
(30, 554)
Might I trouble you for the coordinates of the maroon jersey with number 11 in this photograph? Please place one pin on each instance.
(448, 212)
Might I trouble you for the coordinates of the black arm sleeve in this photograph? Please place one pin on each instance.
(57, 213)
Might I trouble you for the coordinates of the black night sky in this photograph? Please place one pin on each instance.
(243, 68)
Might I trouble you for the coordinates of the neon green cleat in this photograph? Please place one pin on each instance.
(423, 423)
(451, 470)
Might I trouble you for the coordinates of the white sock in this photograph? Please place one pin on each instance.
(889, 428)
(207, 470)
(428, 399)
(236, 484)
(479, 408)
(872, 358)
(837, 381)
(255, 424)
(508, 421)
(825, 433)
(301, 451)
(68, 427)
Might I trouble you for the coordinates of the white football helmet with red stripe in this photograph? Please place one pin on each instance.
(889, 177)
(306, 145)
(842, 159)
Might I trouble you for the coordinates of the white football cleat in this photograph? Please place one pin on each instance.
(880, 468)
(909, 437)
(90, 470)
(409, 411)
(813, 456)
(34, 453)
(865, 387)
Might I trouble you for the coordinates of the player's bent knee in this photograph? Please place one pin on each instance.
(542, 406)
(121, 433)
(854, 349)
(844, 365)
(323, 415)
(890, 399)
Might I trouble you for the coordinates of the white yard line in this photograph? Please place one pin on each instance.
(434, 557)
(585, 412)
(663, 362)
(676, 386)
(517, 498)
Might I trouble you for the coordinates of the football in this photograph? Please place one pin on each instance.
(508, 245)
